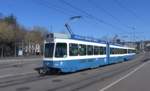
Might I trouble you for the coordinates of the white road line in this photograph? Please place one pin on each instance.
(13, 75)
(122, 78)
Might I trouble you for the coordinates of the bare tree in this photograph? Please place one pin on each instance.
(13, 36)
(6, 35)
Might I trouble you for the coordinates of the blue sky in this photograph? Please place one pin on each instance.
(121, 14)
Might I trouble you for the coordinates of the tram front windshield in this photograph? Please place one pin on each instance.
(49, 49)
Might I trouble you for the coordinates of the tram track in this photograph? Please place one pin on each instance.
(3, 66)
(82, 83)
(15, 64)
(22, 79)
(97, 79)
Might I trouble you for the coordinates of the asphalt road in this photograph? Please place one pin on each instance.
(138, 81)
(18, 66)
(127, 76)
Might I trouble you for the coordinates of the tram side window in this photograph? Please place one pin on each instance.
(73, 49)
(131, 51)
(61, 50)
(102, 50)
(89, 50)
(49, 48)
(82, 50)
(134, 51)
(96, 50)
(125, 51)
(122, 51)
(118, 51)
(112, 50)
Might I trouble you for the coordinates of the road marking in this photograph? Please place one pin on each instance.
(122, 78)
(13, 75)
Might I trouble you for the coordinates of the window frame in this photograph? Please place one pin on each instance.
(85, 52)
(98, 49)
(56, 51)
(52, 50)
(77, 49)
(89, 51)
(102, 50)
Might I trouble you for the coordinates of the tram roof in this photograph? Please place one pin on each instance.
(59, 37)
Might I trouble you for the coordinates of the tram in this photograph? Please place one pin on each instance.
(71, 54)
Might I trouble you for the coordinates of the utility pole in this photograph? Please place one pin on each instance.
(132, 35)
(134, 40)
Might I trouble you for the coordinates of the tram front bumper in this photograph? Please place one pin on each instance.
(53, 64)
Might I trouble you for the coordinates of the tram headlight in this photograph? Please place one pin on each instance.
(47, 63)
(58, 64)
(61, 63)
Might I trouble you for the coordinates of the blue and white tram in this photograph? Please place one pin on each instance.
(70, 55)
